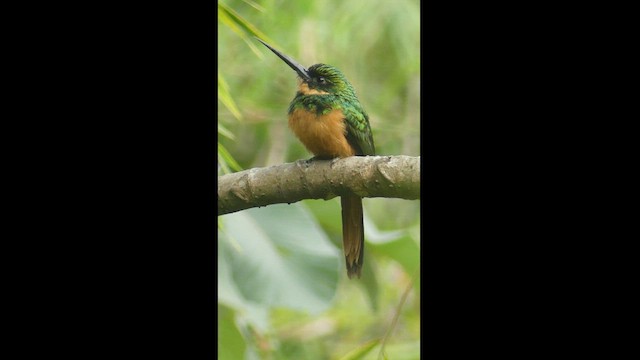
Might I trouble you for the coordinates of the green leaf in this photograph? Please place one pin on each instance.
(225, 132)
(329, 215)
(255, 5)
(241, 27)
(231, 344)
(247, 313)
(369, 280)
(361, 351)
(405, 351)
(282, 258)
(398, 245)
(226, 160)
(404, 250)
(225, 98)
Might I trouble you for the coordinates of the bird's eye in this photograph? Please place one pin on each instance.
(322, 80)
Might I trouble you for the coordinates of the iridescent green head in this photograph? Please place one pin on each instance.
(326, 78)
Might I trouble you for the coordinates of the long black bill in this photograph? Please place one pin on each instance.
(304, 74)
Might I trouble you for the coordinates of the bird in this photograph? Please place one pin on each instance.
(327, 117)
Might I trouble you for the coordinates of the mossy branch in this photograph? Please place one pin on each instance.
(366, 176)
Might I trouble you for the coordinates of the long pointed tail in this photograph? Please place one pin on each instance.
(352, 234)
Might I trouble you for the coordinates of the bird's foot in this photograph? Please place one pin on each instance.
(308, 162)
(318, 157)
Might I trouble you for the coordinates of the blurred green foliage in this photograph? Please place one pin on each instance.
(283, 290)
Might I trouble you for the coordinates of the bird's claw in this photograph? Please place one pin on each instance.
(308, 162)
(305, 162)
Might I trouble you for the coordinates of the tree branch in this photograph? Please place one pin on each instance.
(366, 176)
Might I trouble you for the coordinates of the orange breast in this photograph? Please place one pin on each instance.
(323, 135)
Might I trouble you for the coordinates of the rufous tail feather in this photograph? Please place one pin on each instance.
(352, 234)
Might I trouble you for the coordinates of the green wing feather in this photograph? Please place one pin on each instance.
(359, 130)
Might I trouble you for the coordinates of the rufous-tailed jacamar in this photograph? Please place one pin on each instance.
(327, 117)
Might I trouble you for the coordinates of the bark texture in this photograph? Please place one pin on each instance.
(365, 176)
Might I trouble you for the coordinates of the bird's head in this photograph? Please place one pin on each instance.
(319, 79)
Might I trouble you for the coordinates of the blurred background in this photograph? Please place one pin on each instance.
(282, 284)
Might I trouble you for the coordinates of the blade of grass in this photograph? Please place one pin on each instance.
(241, 27)
(361, 351)
(225, 132)
(227, 160)
(225, 97)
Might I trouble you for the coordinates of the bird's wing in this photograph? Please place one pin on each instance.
(359, 131)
